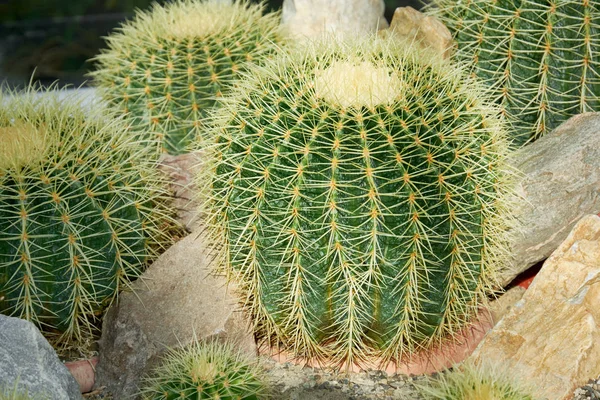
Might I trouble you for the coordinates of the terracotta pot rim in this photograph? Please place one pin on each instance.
(84, 372)
(437, 358)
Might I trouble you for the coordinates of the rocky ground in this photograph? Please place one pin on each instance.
(293, 382)
(591, 391)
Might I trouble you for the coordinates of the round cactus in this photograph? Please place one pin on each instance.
(542, 57)
(475, 382)
(167, 68)
(206, 371)
(80, 212)
(358, 190)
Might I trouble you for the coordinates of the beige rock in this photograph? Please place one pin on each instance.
(342, 18)
(175, 301)
(181, 170)
(426, 31)
(551, 338)
(502, 305)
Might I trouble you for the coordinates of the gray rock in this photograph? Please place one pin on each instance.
(177, 300)
(561, 184)
(27, 357)
(343, 18)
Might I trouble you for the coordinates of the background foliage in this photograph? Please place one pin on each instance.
(55, 38)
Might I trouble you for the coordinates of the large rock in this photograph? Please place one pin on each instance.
(26, 357)
(423, 30)
(175, 301)
(551, 338)
(561, 183)
(343, 18)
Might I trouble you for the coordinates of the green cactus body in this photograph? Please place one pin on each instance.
(357, 191)
(206, 371)
(542, 57)
(167, 68)
(471, 381)
(80, 212)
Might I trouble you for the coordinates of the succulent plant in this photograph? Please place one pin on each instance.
(167, 68)
(81, 211)
(210, 370)
(542, 57)
(359, 194)
(475, 382)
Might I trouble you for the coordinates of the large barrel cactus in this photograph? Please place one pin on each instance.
(81, 211)
(166, 68)
(357, 190)
(542, 57)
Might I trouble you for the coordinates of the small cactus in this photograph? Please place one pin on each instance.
(542, 57)
(358, 191)
(166, 68)
(475, 382)
(206, 371)
(81, 211)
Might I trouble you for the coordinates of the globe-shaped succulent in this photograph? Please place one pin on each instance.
(358, 191)
(167, 67)
(475, 382)
(210, 370)
(81, 211)
(541, 57)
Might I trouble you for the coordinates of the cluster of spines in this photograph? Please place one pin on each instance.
(471, 381)
(336, 219)
(541, 56)
(206, 371)
(78, 221)
(167, 78)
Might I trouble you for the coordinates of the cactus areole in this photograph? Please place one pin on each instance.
(542, 57)
(79, 212)
(358, 190)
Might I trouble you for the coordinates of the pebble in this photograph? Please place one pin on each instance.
(590, 391)
(297, 383)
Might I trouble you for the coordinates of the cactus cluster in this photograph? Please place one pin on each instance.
(81, 211)
(358, 191)
(542, 57)
(167, 67)
(206, 371)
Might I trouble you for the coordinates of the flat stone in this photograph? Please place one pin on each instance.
(423, 30)
(560, 184)
(551, 338)
(177, 300)
(26, 357)
(342, 18)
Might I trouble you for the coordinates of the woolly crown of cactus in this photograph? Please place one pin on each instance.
(210, 370)
(167, 68)
(81, 211)
(359, 195)
(542, 57)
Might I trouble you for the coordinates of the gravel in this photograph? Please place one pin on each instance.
(294, 382)
(590, 391)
